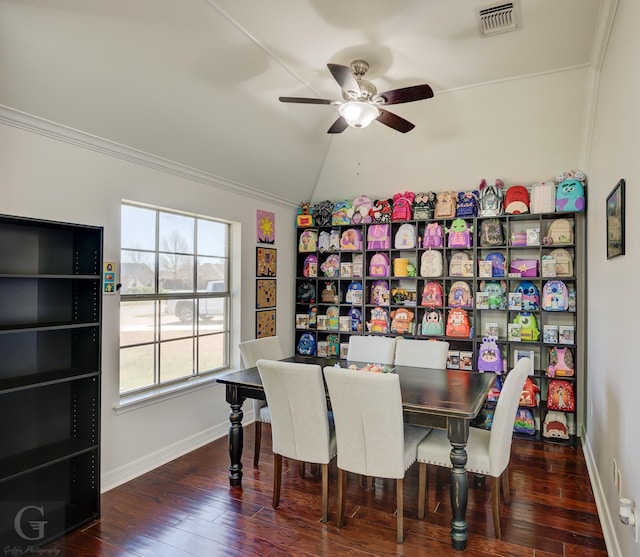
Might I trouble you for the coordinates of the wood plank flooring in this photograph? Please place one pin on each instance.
(187, 508)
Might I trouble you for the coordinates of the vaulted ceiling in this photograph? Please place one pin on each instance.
(197, 81)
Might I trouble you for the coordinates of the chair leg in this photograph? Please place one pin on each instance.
(400, 513)
(495, 505)
(506, 495)
(370, 482)
(301, 469)
(342, 480)
(257, 442)
(325, 493)
(277, 479)
(423, 484)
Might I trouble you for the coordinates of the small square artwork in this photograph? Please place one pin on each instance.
(265, 227)
(266, 323)
(266, 262)
(265, 293)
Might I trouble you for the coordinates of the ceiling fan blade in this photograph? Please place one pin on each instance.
(338, 126)
(304, 100)
(394, 121)
(345, 78)
(407, 94)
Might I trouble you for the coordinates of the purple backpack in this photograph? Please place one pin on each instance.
(379, 236)
(433, 236)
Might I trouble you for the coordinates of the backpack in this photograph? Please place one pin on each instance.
(555, 296)
(402, 204)
(543, 197)
(331, 266)
(351, 239)
(467, 205)
(560, 232)
(381, 210)
(432, 294)
(432, 323)
(560, 362)
(491, 233)
(334, 239)
(460, 234)
(308, 241)
(329, 293)
(307, 345)
(431, 263)
(323, 241)
(306, 293)
(570, 196)
(560, 396)
(490, 199)
(460, 295)
(356, 319)
(402, 321)
(379, 265)
(495, 291)
(310, 268)
(555, 425)
(564, 262)
(458, 323)
(516, 200)
(340, 213)
(433, 236)
(378, 236)
(360, 210)
(379, 293)
(530, 300)
(461, 264)
(333, 345)
(524, 422)
(490, 355)
(322, 213)
(529, 394)
(354, 293)
(497, 263)
(445, 205)
(379, 322)
(528, 326)
(405, 237)
(424, 205)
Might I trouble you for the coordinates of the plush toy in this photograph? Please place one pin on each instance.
(381, 210)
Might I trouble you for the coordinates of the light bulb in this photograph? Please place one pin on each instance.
(358, 114)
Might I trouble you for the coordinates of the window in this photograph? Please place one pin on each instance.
(174, 305)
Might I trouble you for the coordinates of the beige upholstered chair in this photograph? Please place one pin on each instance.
(251, 351)
(372, 438)
(300, 424)
(372, 349)
(422, 353)
(488, 452)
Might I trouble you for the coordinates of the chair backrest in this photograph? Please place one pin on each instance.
(367, 411)
(268, 347)
(298, 403)
(372, 349)
(504, 416)
(422, 353)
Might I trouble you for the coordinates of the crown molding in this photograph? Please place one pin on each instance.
(59, 132)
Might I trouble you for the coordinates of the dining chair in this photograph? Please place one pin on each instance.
(251, 351)
(301, 428)
(488, 452)
(372, 349)
(372, 437)
(421, 353)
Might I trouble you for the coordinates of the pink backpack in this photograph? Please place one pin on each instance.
(379, 265)
(433, 236)
(432, 294)
(402, 206)
(379, 236)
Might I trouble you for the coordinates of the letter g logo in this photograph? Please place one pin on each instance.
(36, 525)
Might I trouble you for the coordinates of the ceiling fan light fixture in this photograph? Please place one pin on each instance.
(358, 114)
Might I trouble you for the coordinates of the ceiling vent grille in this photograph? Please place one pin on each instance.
(498, 18)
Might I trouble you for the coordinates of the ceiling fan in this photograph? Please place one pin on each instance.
(362, 103)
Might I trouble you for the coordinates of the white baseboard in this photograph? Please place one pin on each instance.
(604, 514)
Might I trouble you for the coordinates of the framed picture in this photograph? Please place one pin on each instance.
(265, 293)
(265, 227)
(615, 221)
(266, 262)
(266, 323)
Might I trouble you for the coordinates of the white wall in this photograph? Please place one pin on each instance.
(613, 303)
(48, 178)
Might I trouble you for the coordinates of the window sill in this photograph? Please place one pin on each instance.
(135, 401)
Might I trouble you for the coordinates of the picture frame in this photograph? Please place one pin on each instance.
(266, 323)
(265, 293)
(266, 262)
(615, 220)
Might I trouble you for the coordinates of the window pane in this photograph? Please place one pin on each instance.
(212, 238)
(136, 367)
(176, 233)
(212, 274)
(137, 322)
(177, 318)
(175, 273)
(137, 272)
(212, 312)
(212, 352)
(138, 228)
(177, 359)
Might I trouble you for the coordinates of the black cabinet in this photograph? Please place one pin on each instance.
(50, 338)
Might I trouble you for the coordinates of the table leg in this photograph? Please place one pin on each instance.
(458, 433)
(236, 436)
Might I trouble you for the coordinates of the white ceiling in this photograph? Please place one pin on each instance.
(197, 81)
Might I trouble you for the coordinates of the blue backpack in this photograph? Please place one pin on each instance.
(307, 345)
(497, 263)
(530, 295)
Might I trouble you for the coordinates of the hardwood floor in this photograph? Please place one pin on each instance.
(187, 508)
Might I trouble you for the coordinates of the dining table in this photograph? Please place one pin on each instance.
(448, 399)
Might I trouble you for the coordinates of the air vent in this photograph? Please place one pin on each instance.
(498, 18)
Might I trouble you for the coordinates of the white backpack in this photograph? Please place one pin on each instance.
(461, 265)
(560, 232)
(405, 237)
(564, 262)
(431, 264)
(542, 198)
